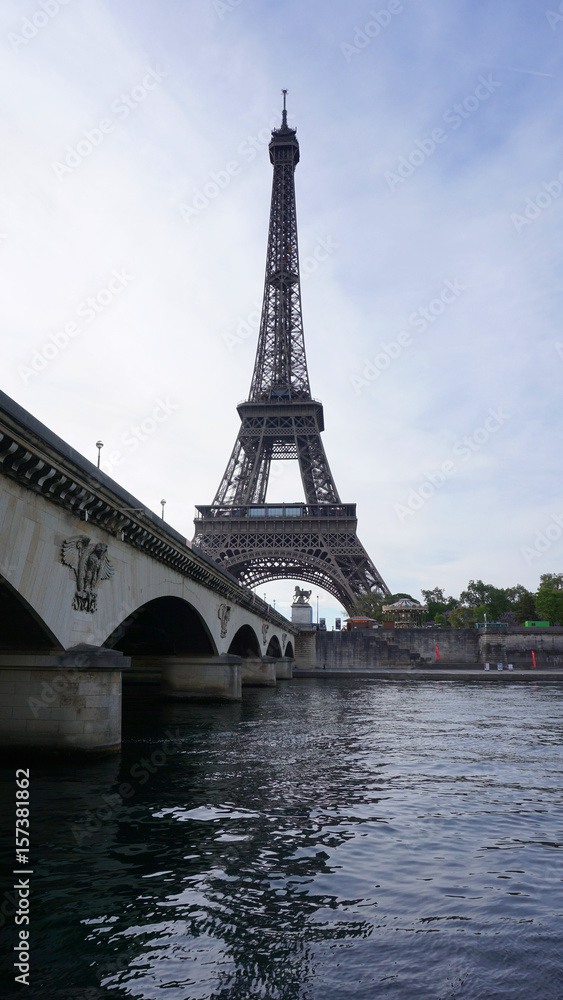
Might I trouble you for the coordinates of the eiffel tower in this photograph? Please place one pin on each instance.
(314, 541)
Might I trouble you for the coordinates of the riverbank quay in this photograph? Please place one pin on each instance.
(434, 674)
(533, 649)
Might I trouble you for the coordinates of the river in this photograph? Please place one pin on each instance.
(323, 840)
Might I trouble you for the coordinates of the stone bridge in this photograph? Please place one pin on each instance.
(95, 588)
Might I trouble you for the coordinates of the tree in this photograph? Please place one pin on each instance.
(514, 605)
(435, 596)
(436, 603)
(462, 617)
(493, 601)
(370, 605)
(476, 594)
(480, 612)
(549, 598)
(552, 580)
(509, 617)
(522, 603)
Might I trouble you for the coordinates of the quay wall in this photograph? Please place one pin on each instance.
(378, 648)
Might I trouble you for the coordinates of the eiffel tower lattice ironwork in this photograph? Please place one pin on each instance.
(256, 541)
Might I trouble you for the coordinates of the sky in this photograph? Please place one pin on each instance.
(133, 227)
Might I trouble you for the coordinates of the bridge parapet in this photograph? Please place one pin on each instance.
(43, 463)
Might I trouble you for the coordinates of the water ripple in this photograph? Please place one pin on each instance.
(320, 841)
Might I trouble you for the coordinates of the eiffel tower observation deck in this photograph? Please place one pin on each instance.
(257, 541)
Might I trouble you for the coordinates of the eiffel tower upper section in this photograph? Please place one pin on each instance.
(280, 370)
(280, 420)
(280, 382)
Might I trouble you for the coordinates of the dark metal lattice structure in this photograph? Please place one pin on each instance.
(315, 541)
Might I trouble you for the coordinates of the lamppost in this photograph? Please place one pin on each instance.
(99, 446)
(163, 504)
(317, 611)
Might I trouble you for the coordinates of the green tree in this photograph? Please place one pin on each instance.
(549, 598)
(369, 605)
(552, 580)
(494, 600)
(522, 603)
(480, 612)
(437, 603)
(476, 594)
(462, 617)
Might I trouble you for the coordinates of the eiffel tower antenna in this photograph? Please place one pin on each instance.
(315, 541)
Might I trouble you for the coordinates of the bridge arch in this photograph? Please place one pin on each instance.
(274, 647)
(245, 642)
(289, 651)
(164, 626)
(23, 629)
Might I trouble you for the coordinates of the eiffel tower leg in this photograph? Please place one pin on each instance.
(316, 476)
(247, 473)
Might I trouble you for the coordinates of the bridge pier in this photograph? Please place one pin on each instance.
(200, 677)
(63, 701)
(284, 668)
(259, 671)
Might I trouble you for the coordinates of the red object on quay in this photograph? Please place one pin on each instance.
(437, 653)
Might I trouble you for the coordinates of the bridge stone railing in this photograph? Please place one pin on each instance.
(43, 463)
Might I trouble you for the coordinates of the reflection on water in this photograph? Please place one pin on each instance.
(319, 841)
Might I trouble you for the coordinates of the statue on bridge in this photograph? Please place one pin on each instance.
(90, 564)
(301, 596)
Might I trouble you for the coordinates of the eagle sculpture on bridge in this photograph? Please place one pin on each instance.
(91, 565)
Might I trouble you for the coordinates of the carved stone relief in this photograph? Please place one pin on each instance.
(224, 614)
(91, 565)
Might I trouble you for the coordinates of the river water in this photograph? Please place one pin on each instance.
(324, 840)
